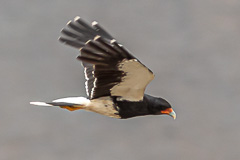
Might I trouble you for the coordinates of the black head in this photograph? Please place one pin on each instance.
(160, 106)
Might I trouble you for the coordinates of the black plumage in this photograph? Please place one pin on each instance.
(149, 106)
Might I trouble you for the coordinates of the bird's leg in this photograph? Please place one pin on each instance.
(71, 108)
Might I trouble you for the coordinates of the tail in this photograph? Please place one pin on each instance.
(70, 103)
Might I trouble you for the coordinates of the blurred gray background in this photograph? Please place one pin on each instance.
(192, 47)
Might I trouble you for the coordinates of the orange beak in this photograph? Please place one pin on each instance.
(170, 112)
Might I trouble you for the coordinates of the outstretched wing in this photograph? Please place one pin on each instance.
(110, 69)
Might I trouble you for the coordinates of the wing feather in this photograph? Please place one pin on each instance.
(109, 68)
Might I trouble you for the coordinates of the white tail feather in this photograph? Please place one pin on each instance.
(74, 100)
(40, 104)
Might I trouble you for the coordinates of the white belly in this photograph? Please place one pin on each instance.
(104, 106)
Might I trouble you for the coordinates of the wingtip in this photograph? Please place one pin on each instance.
(79, 57)
(96, 37)
(113, 41)
(88, 42)
(76, 18)
(59, 38)
(68, 22)
(94, 23)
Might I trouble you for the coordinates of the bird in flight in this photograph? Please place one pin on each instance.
(115, 79)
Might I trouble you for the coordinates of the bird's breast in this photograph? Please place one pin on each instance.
(128, 109)
(104, 106)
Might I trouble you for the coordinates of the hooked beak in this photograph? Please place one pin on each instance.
(170, 112)
(173, 114)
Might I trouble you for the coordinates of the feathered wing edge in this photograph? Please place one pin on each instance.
(103, 59)
(100, 54)
(78, 32)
